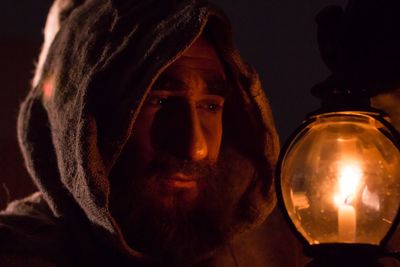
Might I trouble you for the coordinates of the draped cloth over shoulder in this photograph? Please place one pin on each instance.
(93, 75)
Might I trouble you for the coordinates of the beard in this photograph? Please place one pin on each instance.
(180, 226)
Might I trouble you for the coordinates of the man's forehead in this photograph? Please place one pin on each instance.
(201, 55)
(199, 67)
(201, 48)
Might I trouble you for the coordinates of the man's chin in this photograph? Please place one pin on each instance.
(175, 228)
(176, 194)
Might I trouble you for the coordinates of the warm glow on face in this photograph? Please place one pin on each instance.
(349, 178)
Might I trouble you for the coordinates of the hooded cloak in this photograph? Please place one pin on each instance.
(88, 90)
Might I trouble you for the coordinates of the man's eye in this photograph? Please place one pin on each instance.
(211, 107)
(157, 100)
(214, 107)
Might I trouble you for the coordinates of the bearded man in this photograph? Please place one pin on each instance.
(150, 140)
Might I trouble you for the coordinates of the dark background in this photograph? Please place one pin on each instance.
(278, 37)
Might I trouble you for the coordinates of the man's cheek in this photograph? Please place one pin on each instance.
(212, 130)
(140, 140)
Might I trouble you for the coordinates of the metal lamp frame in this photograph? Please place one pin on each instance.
(338, 254)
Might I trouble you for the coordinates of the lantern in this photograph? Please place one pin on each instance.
(338, 176)
(339, 184)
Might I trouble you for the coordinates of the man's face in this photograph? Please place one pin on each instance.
(170, 175)
(181, 118)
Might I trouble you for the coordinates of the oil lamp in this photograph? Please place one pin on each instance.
(338, 176)
(340, 186)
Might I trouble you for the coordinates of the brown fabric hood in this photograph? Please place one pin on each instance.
(74, 123)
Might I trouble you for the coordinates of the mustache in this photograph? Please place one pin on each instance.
(166, 163)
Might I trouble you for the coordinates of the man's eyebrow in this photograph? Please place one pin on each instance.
(215, 86)
(218, 87)
(168, 82)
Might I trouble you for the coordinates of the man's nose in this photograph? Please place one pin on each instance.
(178, 130)
(195, 146)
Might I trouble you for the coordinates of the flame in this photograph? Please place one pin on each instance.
(349, 178)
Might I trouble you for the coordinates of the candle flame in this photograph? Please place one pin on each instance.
(349, 178)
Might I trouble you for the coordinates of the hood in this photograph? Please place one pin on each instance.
(87, 94)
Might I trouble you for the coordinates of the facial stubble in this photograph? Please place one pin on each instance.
(180, 225)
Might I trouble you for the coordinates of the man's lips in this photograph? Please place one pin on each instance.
(180, 180)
